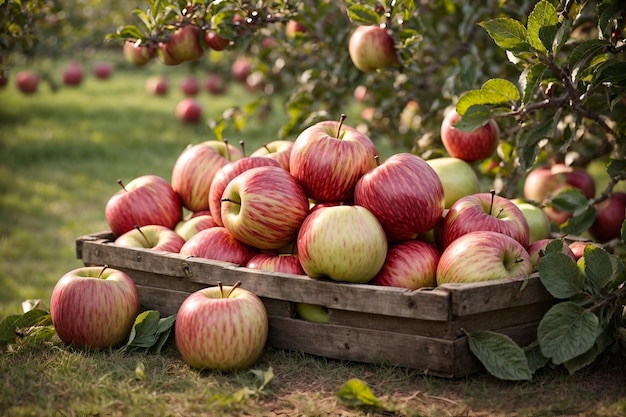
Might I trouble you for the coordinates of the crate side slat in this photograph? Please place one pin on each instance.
(428, 355)
(164, 301)
(428, 305)
(479, 297)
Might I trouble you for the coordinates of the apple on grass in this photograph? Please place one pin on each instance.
(27, 81)
(190, 86)
(94, 307)
(483, 256)
(537, 248)
(328, 158)
(371, 47)
(610, 216)
(192, 225)
(410, 264)
(343, 243)
(457, 177)
(404, 193)
(221, 328)
(215, 84)
(193, 173)
(264, 207)
(225, 175)
(468, 146)
(218, 244)
(189, 111)
(73, 74)
(157, 85)
(102, 70)
(280, 150)
(148, 199)
(152, 236)
(485, 212)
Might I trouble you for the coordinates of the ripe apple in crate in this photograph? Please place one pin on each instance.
(457, 177)
(94, 307)
(264, 207)
(343, 243)
(536, 248)
(221, 328)
(483, 256)
(404, 193)
(218, 244)
(228, 151)
(152, 236)
(73, 74)
(276, 262)
(328, 158)
(314, 313)
(192, 225)
(189, 111)
(226, 174)
(485, 211)
(409, 264)
(610, 215)
(193, 173)
(371, 47)
(137, 53)
(469, 146)
(27, 82)
(538, 221)
(148, 199)
(280, 150)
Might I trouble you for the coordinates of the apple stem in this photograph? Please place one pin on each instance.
(226, 199)
(219, 284)
(237, 284)
(102, 270)
(227, 149)
(493, 197)
(121, 185)
(243, 147)
(342, 118)
(377, 159)
(266, 148)
(142, 234)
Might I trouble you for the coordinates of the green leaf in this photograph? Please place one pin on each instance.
(474, 117)
(566, 331)
(356, 392)
(530, 80)
(569, 199)
(145, 330)
(10, 324)
(613, 72)
(507, 33)
(263, 377)
(582, 218)
(363, 15)
(541, 26)
(529, 138)
(583, 53)
(536, 360)
(598, 268)
(493, 91)
(130, 32)
(616, 167)
(560, 275)
(140, 371)
(500, 355)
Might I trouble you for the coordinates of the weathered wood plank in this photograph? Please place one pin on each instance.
(164, 301)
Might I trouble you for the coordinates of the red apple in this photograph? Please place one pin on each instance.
(73, 74)
(94, 307)
(469, 146)
(102, 70)
(138, 53)
(27, 81)
(241, 68)
(218, 244)
(578, 248)
(279, 150)
(610, 216)
(157, 85)
(409, 264)
(343, 243)
(228, 151)
(293, 27)
(215, 41)
(328, 158)
(189, 110)
(372, 48)
(190, 86)
(183, 45)
(148, 199)
(193, 173)
(264, 207)
(225, 174)
(190, 226)
(536, 248)
(483, 256)
(152, 236)
(404, 193)
(287, 263)
(485, 212)
(221, 328)
(361, 93)
(216, 84)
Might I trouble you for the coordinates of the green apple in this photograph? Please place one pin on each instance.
(312, 312)
(538, 221)
(457, 176)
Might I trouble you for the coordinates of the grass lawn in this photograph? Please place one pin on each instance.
(60, 156)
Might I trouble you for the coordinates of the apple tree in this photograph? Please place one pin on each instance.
(551, 73)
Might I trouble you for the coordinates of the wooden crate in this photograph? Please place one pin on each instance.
(419, 329)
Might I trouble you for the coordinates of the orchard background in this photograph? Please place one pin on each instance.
(552, 74)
